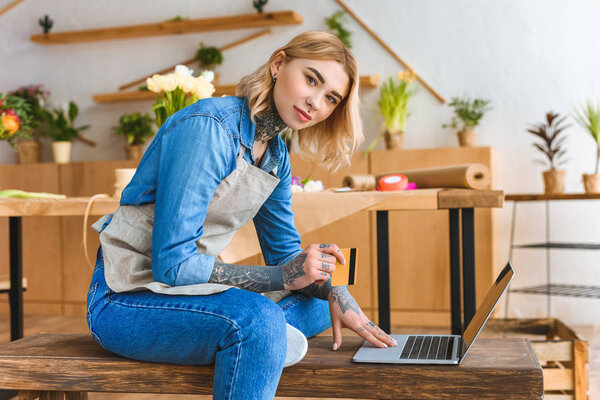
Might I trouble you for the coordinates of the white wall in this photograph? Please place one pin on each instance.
(526, 56)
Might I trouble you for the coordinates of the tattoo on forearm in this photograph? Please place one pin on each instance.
(319, 291)
(255, 278)
(293, 270)
(344, 299)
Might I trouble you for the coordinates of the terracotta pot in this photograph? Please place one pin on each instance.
(394, 141)
(28, 152)
(467, 137)
(134, 152)
(591, 183)
(554, 181)
(62, 152)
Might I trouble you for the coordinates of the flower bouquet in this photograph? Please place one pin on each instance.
(306, 185)
(178, 90)
(15, 119)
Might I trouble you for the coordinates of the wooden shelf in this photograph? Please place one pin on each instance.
(256, 20)
(543, 197)
(366, 82)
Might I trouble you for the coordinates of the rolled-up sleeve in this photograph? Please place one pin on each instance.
(195, 156)
(274, 222)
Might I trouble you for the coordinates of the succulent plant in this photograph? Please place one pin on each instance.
(259, 4)
(552, 143)
(46, 23)
(209, 57)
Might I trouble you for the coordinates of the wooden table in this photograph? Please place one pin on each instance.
(459, 202)
(493, 369)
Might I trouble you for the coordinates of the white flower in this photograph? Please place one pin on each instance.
(169, 83)
(313, 186)
(208, 75)
(153, 83)
(182, 70)
(297, 188)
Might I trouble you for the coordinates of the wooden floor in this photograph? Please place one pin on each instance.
(35, 324)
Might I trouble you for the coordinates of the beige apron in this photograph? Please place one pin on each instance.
(127, 240)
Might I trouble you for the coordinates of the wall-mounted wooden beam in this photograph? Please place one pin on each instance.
(255, 20)
(8, 7)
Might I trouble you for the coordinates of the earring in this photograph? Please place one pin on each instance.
(274, 78)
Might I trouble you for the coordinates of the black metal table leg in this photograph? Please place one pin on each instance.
(383, 270)
(16, 279)
(468, 255)
(455, 286)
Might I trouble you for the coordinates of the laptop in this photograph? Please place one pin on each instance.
(438, 349)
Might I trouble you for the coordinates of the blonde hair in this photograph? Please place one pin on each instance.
(332, 141)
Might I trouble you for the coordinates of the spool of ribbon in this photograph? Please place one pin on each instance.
(389, 183)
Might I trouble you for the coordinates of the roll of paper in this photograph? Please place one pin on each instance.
(469, 176)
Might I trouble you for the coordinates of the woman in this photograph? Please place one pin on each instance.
(158, 292)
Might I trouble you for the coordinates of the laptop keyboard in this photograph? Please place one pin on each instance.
(428, 348)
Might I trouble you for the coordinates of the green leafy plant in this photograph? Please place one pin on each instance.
(259, 5)
(60, 127)
(468, 112)
(35, 96)
(552, 145)
(177, 18)
(589, 118)
(137, 128)
(208, 57)
(15, 119)
(393, 105)
(335, 23)
(46, 23)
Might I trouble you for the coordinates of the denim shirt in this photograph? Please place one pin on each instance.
(194, 150)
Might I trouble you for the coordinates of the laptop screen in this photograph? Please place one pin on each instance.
(486, 307)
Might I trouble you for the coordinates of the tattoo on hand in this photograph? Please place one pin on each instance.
(325, 266)
(323, 246)
(293, 270)
(319, 291)
(371, 324)
(344, 299)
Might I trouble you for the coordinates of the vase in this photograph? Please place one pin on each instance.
(554, 181)
(28, 152)
(394, 141)
(62, 152)
(591, 183)
(134, 151)
(467, 137)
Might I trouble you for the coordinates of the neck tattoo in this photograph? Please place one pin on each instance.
(268, 125)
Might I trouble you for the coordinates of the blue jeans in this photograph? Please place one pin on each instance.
(241, 332)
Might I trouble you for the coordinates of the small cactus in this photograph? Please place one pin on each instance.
(259, 4)
(46, 23)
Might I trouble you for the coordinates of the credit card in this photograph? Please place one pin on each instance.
(345, 274)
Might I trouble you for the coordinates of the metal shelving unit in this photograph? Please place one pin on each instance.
(550, 289)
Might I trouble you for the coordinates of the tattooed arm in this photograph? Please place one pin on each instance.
(255, 278)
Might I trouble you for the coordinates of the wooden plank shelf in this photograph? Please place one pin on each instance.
(255, 20)
(366, 82)
(556, 245)
(542, 197)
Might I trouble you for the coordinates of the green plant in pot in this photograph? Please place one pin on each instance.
(137, 128)
(60, 127)
(551, 132)
(209, 58)
(467, 114)
(28, 150)
(589, 118)
(393, 105)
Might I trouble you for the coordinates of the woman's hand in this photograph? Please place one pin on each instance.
(345, 313)
(315, 264)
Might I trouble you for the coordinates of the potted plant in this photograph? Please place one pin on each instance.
(61, 129)
(15, 120)
(393, 105)
(209, 58)
(552, 147)
(589, 118)
(469, 113)
(176, 91)
(28, 151)
(137, 128)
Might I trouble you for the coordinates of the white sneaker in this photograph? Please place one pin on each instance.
(297, 345)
